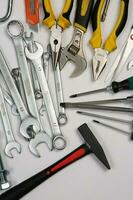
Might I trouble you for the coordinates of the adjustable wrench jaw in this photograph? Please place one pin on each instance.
(74, 53)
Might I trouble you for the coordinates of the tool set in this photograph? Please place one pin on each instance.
(27, 90)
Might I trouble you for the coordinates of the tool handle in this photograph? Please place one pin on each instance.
(32, 18)
(96, 39)
(49, 19)
(123, 85)
(28, 185)
(64, 18)
(83, 14)
(110, 44)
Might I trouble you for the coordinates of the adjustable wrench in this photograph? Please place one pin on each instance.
(39, 136)
(36, 59)
(11, 142)
(27, 121)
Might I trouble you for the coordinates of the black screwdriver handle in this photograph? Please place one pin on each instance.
(123, 85)
(83, 14)
(28, 185)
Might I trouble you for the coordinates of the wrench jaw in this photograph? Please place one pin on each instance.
(12, 146)
(26, 126)
(40, 138)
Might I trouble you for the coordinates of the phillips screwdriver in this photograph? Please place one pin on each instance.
(115, 87)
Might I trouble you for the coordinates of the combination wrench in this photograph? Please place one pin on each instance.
(27, 121)
(39, 136)
(11, 143)
(59, 141)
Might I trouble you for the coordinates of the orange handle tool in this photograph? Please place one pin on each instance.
(32, 11)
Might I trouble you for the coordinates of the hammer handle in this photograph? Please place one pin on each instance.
(28, 185)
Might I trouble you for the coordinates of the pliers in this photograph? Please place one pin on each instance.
(57, 26)
(102, 51)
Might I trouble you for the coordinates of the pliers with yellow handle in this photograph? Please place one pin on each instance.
(102, 50)
(57, 26)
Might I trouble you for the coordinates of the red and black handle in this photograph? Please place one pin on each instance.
(28, 185)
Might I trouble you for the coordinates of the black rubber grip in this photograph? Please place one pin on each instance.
(67, 14)
(83, 20)
(94, 15)
(119, 86)
(28, 185)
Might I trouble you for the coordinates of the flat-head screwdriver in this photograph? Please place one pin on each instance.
(115, 87)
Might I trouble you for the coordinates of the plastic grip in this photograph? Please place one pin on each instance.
(123, 85)
(28, 185)
(110, 44)
(32, 18)
(64, 18)
(96, 39)
(49, 19)
(83, 14)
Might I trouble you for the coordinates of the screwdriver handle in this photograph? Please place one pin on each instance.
(64, 18)
(126, 84)
(32, 17)
(83, 14)
(49, 19)
(28, 185)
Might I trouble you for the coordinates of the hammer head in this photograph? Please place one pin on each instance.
(93, 144)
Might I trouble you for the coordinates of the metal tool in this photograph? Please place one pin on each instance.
(96, 107)
(91, 145)
(115, 87)
(74, 50)
(101, 52)
(11, 143)
(8, 13)
(27, 121)
(32, 14)
(36, 59)
(30, 45)
(104, 14)
(120, 59)
(112, 127)
(39, 136)
(106, 117)
(4, 183)
(128, 99)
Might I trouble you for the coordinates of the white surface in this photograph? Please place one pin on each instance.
(85, 179)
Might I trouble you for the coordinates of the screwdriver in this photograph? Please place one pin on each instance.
(115, 87)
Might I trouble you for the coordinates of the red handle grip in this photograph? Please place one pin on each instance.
(32, 11)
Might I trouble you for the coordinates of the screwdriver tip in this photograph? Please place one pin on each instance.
(74, 96)
(62, 105)
(95, 121)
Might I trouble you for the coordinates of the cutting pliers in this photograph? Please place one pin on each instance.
(57, 26)
(102, 51)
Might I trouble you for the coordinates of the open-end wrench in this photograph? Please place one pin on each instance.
(10, 139)
(36, 59)
(27, 121)
(39, 136)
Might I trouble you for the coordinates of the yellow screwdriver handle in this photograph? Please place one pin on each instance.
(110, 44)
(64, 18)
(49, 19)
(96, 39)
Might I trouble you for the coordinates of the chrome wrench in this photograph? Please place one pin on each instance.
(36, 59)
(11, 143)
(39, 136)
(27, 121)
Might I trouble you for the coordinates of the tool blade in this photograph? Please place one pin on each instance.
(93, 144)
(99, 61)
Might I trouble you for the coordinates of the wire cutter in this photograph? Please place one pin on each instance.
(56, 26)
(102, 51)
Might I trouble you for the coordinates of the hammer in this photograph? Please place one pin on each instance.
(91, 145)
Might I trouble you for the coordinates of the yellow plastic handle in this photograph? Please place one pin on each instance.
(96, 39)
(49, 19)
(110, 44)
(64, 18)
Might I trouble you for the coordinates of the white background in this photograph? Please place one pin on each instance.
(87, 178)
